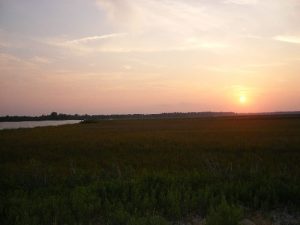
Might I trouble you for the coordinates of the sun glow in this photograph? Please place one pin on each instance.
(243, 99)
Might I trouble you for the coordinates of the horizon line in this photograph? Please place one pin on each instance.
(175, 112)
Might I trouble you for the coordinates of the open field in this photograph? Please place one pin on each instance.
(149, 171)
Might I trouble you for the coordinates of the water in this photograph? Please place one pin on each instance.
(31, 124)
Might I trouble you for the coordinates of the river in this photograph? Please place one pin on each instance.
(31, 124)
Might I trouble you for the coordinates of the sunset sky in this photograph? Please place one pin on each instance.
(149, 56)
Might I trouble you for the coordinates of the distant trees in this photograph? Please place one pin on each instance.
(54, 114)
(62, 116)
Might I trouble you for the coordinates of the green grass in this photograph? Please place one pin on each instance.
(148, 171)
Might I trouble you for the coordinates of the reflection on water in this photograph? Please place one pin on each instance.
(31, 124)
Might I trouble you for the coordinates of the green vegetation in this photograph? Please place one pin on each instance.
(224, 214)
(149, 171)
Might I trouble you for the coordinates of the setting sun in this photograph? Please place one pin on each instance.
(243, 99)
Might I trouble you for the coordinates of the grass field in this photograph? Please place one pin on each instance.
(149, 171)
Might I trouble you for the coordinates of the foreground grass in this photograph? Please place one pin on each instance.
(149, 171)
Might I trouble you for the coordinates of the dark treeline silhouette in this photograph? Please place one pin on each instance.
(51, 116)
(62, 116)
(174, 115)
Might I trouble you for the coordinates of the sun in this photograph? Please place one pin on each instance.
(243, 99)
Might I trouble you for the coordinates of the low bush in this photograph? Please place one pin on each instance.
(225, 214)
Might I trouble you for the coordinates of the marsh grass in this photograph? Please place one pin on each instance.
(224, 214)
(148, 171)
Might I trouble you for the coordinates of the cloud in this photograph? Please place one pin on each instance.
(8, 59)
(265, 65)
(84, 45)
(127, 67)
(241, 2)
(178, 25)
(40, 60)
(198, 43)
(134, 42)
(288, 38)
(95, 38)
(161, 26)
(164, 15)
(4, 45)
(12, 64)
(9, 62)
(122, 9)
(152, 26)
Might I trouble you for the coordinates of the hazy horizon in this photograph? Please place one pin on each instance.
(149, 56)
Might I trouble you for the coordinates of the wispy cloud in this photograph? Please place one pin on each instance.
(8, 62)
(241, 2)
(266, 65)
(4, 45)
(94, 38)
(167, 15)
(160, 26)
(139, 48)
(40, 60)
(84, 44)
(288, 38)
(135, 42)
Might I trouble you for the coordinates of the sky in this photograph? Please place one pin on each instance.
(149, 56)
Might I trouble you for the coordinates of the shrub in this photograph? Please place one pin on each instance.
(224, 214)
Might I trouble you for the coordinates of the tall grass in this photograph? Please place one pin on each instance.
(148, 172)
